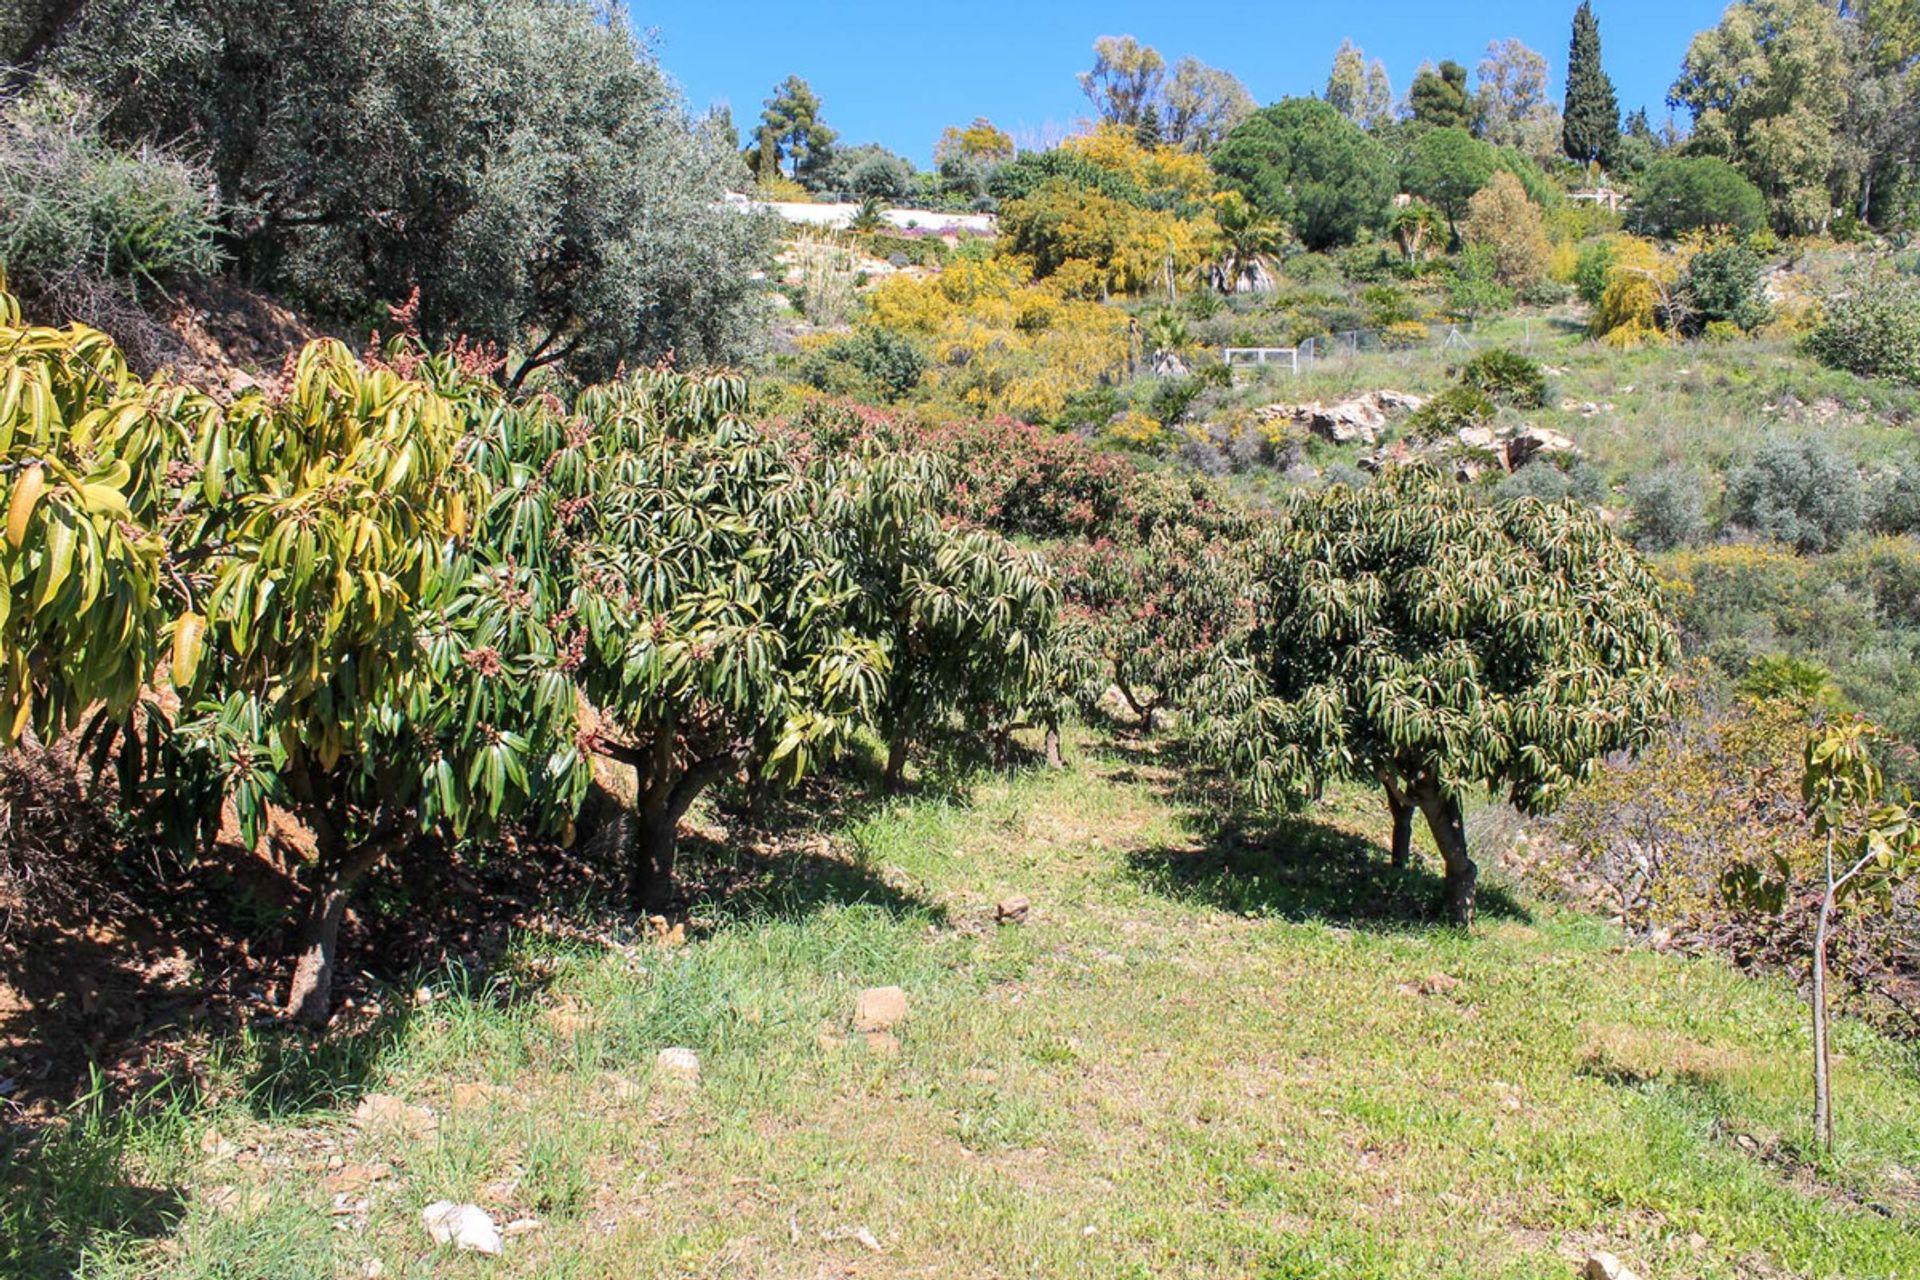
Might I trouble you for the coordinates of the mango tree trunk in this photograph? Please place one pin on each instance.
(1449, 830)
(664, 800)
(1402, 809)
(336, 872)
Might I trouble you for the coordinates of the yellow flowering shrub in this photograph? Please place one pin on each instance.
(1135, 430)
(1629, 310)
(1184, 175)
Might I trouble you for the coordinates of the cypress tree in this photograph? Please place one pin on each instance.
(1592, 115)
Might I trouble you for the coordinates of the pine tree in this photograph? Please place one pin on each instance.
(1439, 96)
(1592, 116)
(1147, 131)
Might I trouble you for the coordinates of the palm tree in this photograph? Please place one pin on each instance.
(1415, 225)
(1167, 339)
(1248, 242)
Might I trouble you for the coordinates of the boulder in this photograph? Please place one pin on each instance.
(1357, 419)
(1529, 442)
(1013, 910)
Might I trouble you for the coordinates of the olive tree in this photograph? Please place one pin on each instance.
(705, 611)
(1412, 635)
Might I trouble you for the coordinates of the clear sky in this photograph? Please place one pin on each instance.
(898, 73)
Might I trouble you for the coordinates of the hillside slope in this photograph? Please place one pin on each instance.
(1198, 1055)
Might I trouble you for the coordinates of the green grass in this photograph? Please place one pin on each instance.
(1204, 1054)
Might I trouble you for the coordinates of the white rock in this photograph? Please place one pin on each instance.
(464, 1226)
(1604, 1266)
(679, 1064)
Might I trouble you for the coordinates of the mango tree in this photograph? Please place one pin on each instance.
(963, 618)
(1159, 610)
(338, 653)
(87, 457)
(1411, 634)
(1872, 843)
(703, 608)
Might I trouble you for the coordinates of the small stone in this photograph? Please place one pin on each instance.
(464, 1226)
(378, 1111)
(373, 1270)
(1604, 1266)
(679, 1064)
(521, 1227)
(1013, 910)
(1438, 984)
(214, 1144)
(884, 1043)
(472, 1096)
(880, 1009)
(349, 1178)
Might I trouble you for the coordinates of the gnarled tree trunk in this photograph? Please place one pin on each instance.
(896, 773)
(1054, 760)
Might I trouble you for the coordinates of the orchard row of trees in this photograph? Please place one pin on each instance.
(398, 606)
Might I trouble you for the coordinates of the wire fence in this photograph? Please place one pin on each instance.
(1351, 344)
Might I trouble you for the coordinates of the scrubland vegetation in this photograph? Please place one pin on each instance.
(510, 654)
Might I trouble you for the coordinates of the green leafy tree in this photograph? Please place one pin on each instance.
(1591, 119)
(343, 654)
(526, 163)
(1439, 98)
(86, 450)
(1722, 286)
(1509, 225)
(1411, 635)
(1678, 194)
(963, 619)
(1302, 161)
(1125, 79)
(1203, 104)
(1767, 90)
(1447, 167)
(1872, 844)
(792, 133)
(1475, 288)
(706, 607)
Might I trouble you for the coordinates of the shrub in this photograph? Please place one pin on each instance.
(1668, 509)
(1687, 193)
(88, 228)
(1799, 492)
(1722, 286)
(1507, 377)
(891, 361)
(1896, 500)
(1502, 218)
(1590, 271)
(1450, 412)
(1872, 328)
(1577, 481)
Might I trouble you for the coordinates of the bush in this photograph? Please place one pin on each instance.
(1502, 218)
(1896, 501)
(1668, 509)
(1590, 271)
(1799, 492)
(1688, 193)
(1575, 482)
(1872, 328)
(1507, 377)
(88, 228)
(1450, 412)
(887, 359)
(1722, 286)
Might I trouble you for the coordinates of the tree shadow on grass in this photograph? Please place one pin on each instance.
(64, 1192)
(1298, 867)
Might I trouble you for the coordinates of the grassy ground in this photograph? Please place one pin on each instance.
(1203, 1054)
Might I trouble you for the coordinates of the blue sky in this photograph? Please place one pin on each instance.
(899, 73)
